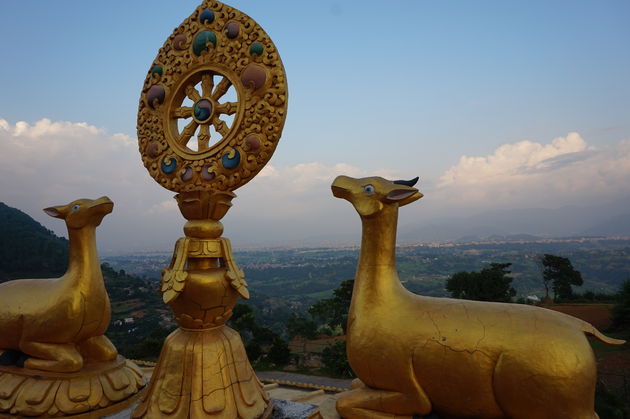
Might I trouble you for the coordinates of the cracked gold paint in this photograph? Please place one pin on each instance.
(463, 359)
(59, 324)
(203, 368)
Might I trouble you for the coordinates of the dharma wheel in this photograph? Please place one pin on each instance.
(213, 102)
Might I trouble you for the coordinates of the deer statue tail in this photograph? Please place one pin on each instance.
(589, 329)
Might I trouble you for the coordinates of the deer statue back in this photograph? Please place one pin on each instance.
(462, 359)
(59, 322)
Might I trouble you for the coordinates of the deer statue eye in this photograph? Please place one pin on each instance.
(368, 189)
(76, 207)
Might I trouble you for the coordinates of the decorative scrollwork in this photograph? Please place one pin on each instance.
(213, 103)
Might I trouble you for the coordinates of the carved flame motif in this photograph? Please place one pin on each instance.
(216, 87)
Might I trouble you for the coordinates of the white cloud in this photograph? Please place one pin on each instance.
(50, 163)
(45, 127)
(566, 170)
(511, 160)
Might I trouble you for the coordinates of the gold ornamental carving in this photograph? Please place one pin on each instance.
(211, 113)
(213, 103)
(460, 359)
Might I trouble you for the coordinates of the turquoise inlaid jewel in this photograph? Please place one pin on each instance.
(157, 69)
(231, 159)
(207, 16)
(169, 164)
(203, 110)
(256, 49)
(202, 40)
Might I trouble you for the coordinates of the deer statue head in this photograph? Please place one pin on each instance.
(370, 195)
(82, 212)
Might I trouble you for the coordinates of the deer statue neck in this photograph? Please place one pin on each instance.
(82, 255)
(377, 279)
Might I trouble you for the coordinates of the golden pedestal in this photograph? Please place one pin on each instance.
(97, 390)
(203, 368)
(210, 116)
(204, 372)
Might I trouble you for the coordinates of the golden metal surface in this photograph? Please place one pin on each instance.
(98, 389)
(462, 359)
(213, 103)
(203, 372)
(203, 368)
(211, 114)
(59, 323)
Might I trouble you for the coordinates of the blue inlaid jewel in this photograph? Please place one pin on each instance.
(231, 159)
(169, 164)
(207, 16)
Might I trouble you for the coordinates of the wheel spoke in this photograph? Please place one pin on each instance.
(187, 132)
(227, 108)
(220, 126)
(183, 112)
(203, 137)
(207, 84)
(221, 88)
(192, 93)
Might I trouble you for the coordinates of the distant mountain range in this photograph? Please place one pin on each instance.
(28, 249)
(612, 219)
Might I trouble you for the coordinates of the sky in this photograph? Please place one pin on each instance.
(494, 104)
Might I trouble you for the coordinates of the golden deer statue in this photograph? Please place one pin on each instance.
(59, 322)
(54, 357)
(460, 359)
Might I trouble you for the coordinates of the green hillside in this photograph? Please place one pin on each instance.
(28, 249)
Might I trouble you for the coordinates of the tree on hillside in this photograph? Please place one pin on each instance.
(301, 326)
(491, 284)
(279, 353)
(621, 310)
(335, 360)
(28, 249)
(334, 311)
(258, 340)
(560, 274)
(243, 318)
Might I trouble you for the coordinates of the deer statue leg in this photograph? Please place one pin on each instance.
(98, 348)
(58, 357)
(366, 402)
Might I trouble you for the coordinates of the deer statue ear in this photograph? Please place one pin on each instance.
(409, 183)
(53, 212)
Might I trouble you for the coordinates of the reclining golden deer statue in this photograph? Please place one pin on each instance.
(59, 322)
(460, 359)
